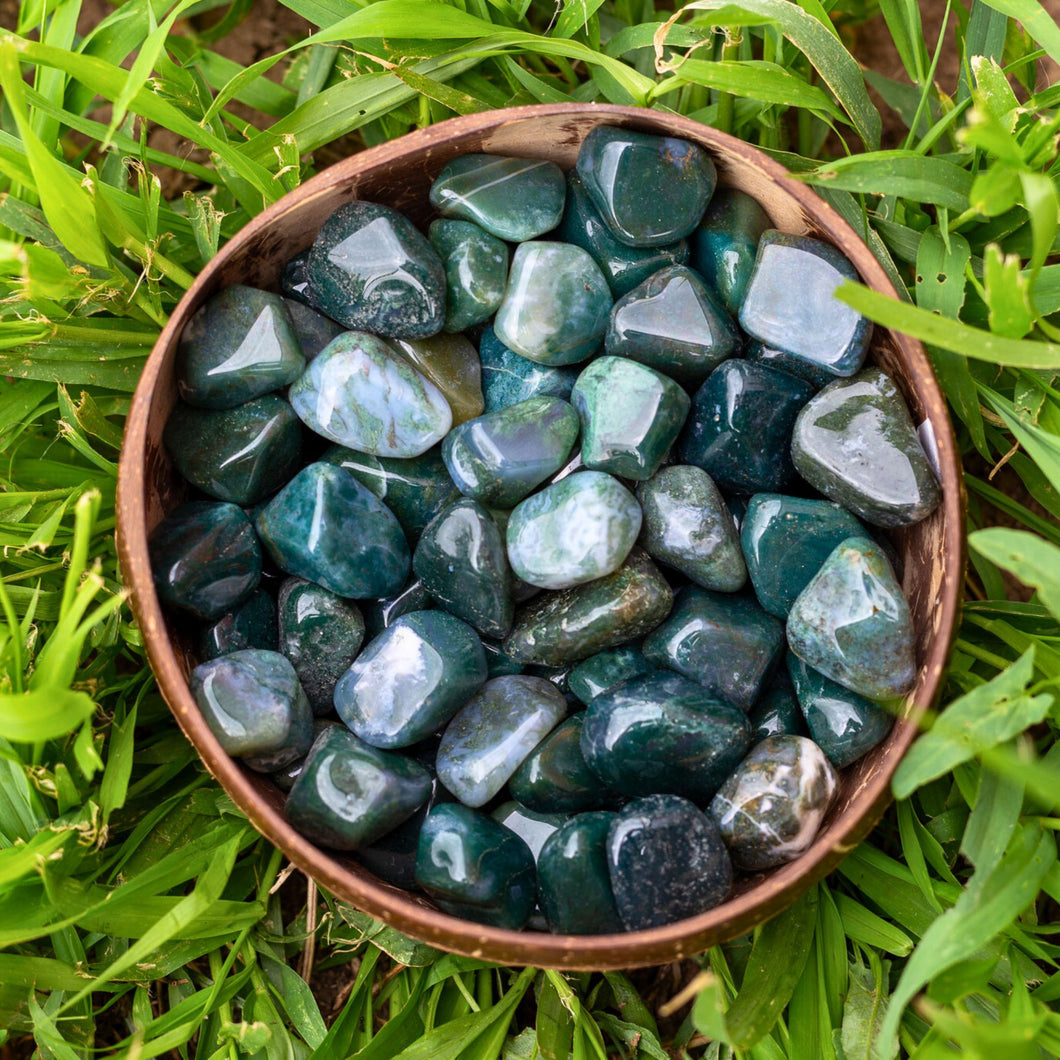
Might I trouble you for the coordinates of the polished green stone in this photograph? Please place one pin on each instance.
(512, 198)
(650, 190)
(239, 455)
(576, 530)
(313, 329)
(385, 611)
(852, 623)
(777, 712)
(284, 778)
(461, 560)
(785, 540)
(725, 642)
(239, 345)
(252, 624)
(563, 627)
(451, 363)
(500, 457)
(688, 526)
(326, 527)
(532, 828)
(855, 442)
(498, 664)
(476, 271)
(771, 357)
(630, 415)
(349, 794)
(205, 558)
(740, 427)
(725, 244)
(475, 868)
(771, 808)
(674, 323)
(321, 634)
(509, 378)
(372, 270)
(294, 279)
(556, 306)
(606, 669)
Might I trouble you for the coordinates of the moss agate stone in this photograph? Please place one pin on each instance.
(532, 828)
(667, 862)
(771, 808)
(771, 357)
(509, 377)
(476, 271)
(650, 190)
(384, 612)
(239, 345)
(250, 625)
(451, 363)
(475, 868)
(372, 270)
(603, 671)
(777, 713)
(326, 527)
(852, 623)
(511, 198)
(294, 278)
(313, 329)
(725, 244)
(856, 443)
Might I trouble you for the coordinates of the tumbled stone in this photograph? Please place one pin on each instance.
(509, 377)
(606, 669)
(294, 279)
(313, 330)
(532, 828)
(284, 778)
(777, 713)
(771, 357)
(856, 443)
(725, 244)
(384, 612)
(498, 663)
(251, 624)
(476, 271)
(451, 363)
(770, 810)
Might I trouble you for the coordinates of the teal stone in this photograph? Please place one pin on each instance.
(688, 526)
(509, 378)
(475, 868)
(740, 427)
(511, 198)
(500, 457)
(461, 560)
(785, 540)
(770, 810)
(573, 880)
(294, 278)
(760, 353)
(576, 530)
(725, 244)
(843, 724)
(791, 305)
(725, 642)
(777, 713)
(650, 190)
(603, 671)
(852, 623)
(349, 794)
(667, 862)
(321, 634)
(630, 414)
(254, 705)
(240, 455)
(250, 625)
(498, 663)
(674, 323)
(205, 558)
(384, 612)
(411, 679)
(532, 828)
(239, 345)
(663, 734)
(493, 733)
(360, 393)
(476, 271)
(855, 442)
(313, 330)
(372, 270)
(556, 629)
(284, 778)
(326, 527)
(556, 306)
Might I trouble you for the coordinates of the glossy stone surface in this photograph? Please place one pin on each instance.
(555, 629)
(576, 530)
(451, 363)
(650, 190)
(361, 394)
(688, 526)
(476, 271)
(252, 624)
(603, 671)
(284, 778)
(856, 443)
(493, 733)
(498, 664)
(771, 808)
(740, 427)
(475, 868)
(663, 734)
(501, 457)
(630, 415)
(238, 345)
(532, 828)
(674, 323)
(313, 329)
(556, 305)
(725, 244)
(372, 270)
(725, 642)
(326, 527)
(512, 198)
(205, 558)
(667, 861)
(411, 679)
(509, 377)
(294, 280)
(771, 357)
(384, 612)
(852, 623)
(785, 540)
(461, 560)
(321, 634)
(349, 794)
(790, 304)
(777, 713)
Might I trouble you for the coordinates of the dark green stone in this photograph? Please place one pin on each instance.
(476, 271)
(509, 377)
(606, 669)
(498, 664)
(725, 244)
(250, 625)
(777, 713)
(384, 612)
(532, 828)
(313, 329)
(294, 279)
(284, 778)
(787, 362)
